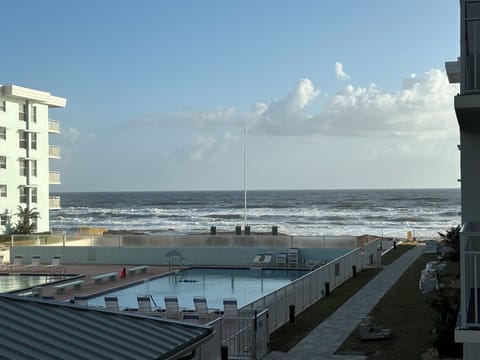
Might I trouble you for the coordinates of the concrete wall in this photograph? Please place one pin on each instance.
(164, 256)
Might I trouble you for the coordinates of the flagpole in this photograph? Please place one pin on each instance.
(245, 177)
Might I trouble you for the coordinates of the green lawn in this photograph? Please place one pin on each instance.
(403, 309)
(409, 314)
(288, 335)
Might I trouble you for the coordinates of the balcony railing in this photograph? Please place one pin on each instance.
(470, 276)
(54, 177)
(54, 126)
(54, 152)
(54, 202)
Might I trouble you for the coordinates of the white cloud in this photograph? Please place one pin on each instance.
(341, 74)
(421, 110)
(286, 116)
(70, 135)
(423, 107)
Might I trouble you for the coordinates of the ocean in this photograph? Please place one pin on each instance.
(389, 213)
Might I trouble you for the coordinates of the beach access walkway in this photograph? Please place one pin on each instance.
(326, 338)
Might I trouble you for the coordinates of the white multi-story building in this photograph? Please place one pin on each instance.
(25, 151)
(466, 71)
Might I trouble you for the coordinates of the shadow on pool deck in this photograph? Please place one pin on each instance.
(90, 288)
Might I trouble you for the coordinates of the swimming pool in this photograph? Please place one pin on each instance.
(244, 284)
(15, 282)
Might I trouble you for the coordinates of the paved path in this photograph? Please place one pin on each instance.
(327, 337)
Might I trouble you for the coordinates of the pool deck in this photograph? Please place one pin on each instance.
(321, 343)
(89, 287)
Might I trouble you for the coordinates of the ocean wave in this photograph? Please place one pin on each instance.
(306, 212)
(408, 219)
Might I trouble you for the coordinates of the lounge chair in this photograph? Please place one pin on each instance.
(201, 308)
(81, 300)
(230, 308)
(111, 303)
(172, 310)
(282, 259)
(267, 259)
(35, 262)
(17, 262)
(257, 260)
(293, 257)
(191, 317)
(55, 261)
(369, 332)
(144, 304)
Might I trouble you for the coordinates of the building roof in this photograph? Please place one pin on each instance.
(26, 93)
(39, 329)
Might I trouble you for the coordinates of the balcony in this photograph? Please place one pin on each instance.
(53, 126)
(468, 326)
(54, 202)
(54, 152)
(54, 177)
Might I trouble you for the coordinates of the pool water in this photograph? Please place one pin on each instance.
(14, 282)
(246, 285)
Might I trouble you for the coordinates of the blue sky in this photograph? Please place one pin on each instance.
(333, 94)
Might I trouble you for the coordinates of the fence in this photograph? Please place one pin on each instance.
(311, 287)
(244, 336)
(192, 240)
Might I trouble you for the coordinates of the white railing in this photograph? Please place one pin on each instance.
(313, 286)
(53, 203)
(53, 126)
(470, 279)
(94, 237)
(244, 336)
(54, 177)
(54, 152)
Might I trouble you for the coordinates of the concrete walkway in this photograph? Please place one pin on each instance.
(327, 337)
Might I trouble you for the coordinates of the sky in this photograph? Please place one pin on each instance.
(176, 95)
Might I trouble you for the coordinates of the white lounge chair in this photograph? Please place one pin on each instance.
(282, 259)
(293, 257)
(201, 308)
(172, 310)
(81, 300)
(111, 303)
(35, 262)
(17, 262)
(267, 259)
(257, 260)
(55, 261)
(369, 332)
(230, 308)
(144, 304)
(191, 317)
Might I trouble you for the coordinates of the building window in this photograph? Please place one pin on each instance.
(34, 115)
(33, 140)
(3, 220)
(3, 133)
(34, 195)
(22, 109)
(3, 190)
(22, 139)
(3, 162)
(23, 194)
(337, 269)
(33, 165)
(22, 165)
(3, 106)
